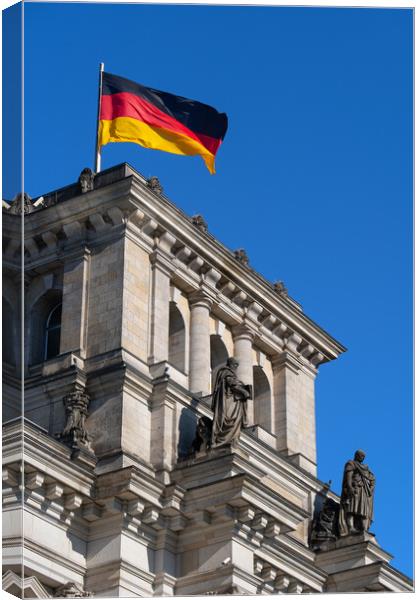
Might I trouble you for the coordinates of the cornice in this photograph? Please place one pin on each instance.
(124, 197)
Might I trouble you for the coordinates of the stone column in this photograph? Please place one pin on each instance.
(160, 296)
(200, 305)
(242, 342)
(75, 302)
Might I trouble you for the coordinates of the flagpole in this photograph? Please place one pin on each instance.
(97, 147)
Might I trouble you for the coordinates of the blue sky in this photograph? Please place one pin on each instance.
(314, 179)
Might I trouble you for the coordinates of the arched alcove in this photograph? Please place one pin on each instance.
(8, 334)
(176, 350)
(218, 355)
(45, 327)
(262, 398)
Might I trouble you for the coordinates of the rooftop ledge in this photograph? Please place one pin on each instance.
(32, 207)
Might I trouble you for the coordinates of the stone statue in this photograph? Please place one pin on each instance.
(74, 432)
(324, 528)
(229, 404)
(86, 178)
(356, 508)
(202, 440)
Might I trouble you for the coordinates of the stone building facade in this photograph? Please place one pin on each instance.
(130, 308)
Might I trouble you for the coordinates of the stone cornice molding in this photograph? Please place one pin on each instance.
(128, 193)
(285, 360)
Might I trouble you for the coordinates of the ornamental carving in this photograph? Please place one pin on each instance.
(74, 433)
(280, 288)
(71, 590)
(21, 203)
(154, 184)
(86, 180)
(199, 222)
(241, 256)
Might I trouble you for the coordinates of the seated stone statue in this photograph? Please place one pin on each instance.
(229, 405)
(356, 509)
(202, 439)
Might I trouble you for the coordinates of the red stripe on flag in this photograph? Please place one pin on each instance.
(125, 104)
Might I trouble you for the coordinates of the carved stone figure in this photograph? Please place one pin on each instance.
(154, 184)
(229, 404)
(86, 179)
(21, 203)
(280, 288)
(199, 222)
(325, 526)
(71, 590)
(74, 433)
(356, 508)
(241, 256)
(202, 439)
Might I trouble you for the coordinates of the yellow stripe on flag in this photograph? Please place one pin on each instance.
(127, 129)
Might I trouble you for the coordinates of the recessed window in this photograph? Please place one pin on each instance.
(176, 350)
(53, 333)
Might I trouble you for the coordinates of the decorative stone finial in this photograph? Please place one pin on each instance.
(280, 288)
(71, 590)
(21, 203)
(154, 184)
(199, 222)
(241, 256)
(86, 179)
(356, 507)
(74, 433)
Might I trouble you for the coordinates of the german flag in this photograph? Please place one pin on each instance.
(131, 112)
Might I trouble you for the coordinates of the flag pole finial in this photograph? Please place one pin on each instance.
(97, 162)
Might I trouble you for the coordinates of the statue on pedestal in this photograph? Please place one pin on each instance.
(229, 405)
(75, 433)
(356, 508)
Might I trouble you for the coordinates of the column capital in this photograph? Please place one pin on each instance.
(243, 331)
(200, 298)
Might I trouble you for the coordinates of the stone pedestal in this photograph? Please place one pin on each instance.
(355, 563)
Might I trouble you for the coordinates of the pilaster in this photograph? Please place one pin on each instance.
(294, 410)
(162, 269)
(75, 302)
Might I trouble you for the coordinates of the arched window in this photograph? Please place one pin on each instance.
(53, 333)
(262, 399)
(45, 327)
(8, 337)
(218, 355)
(176, 350)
